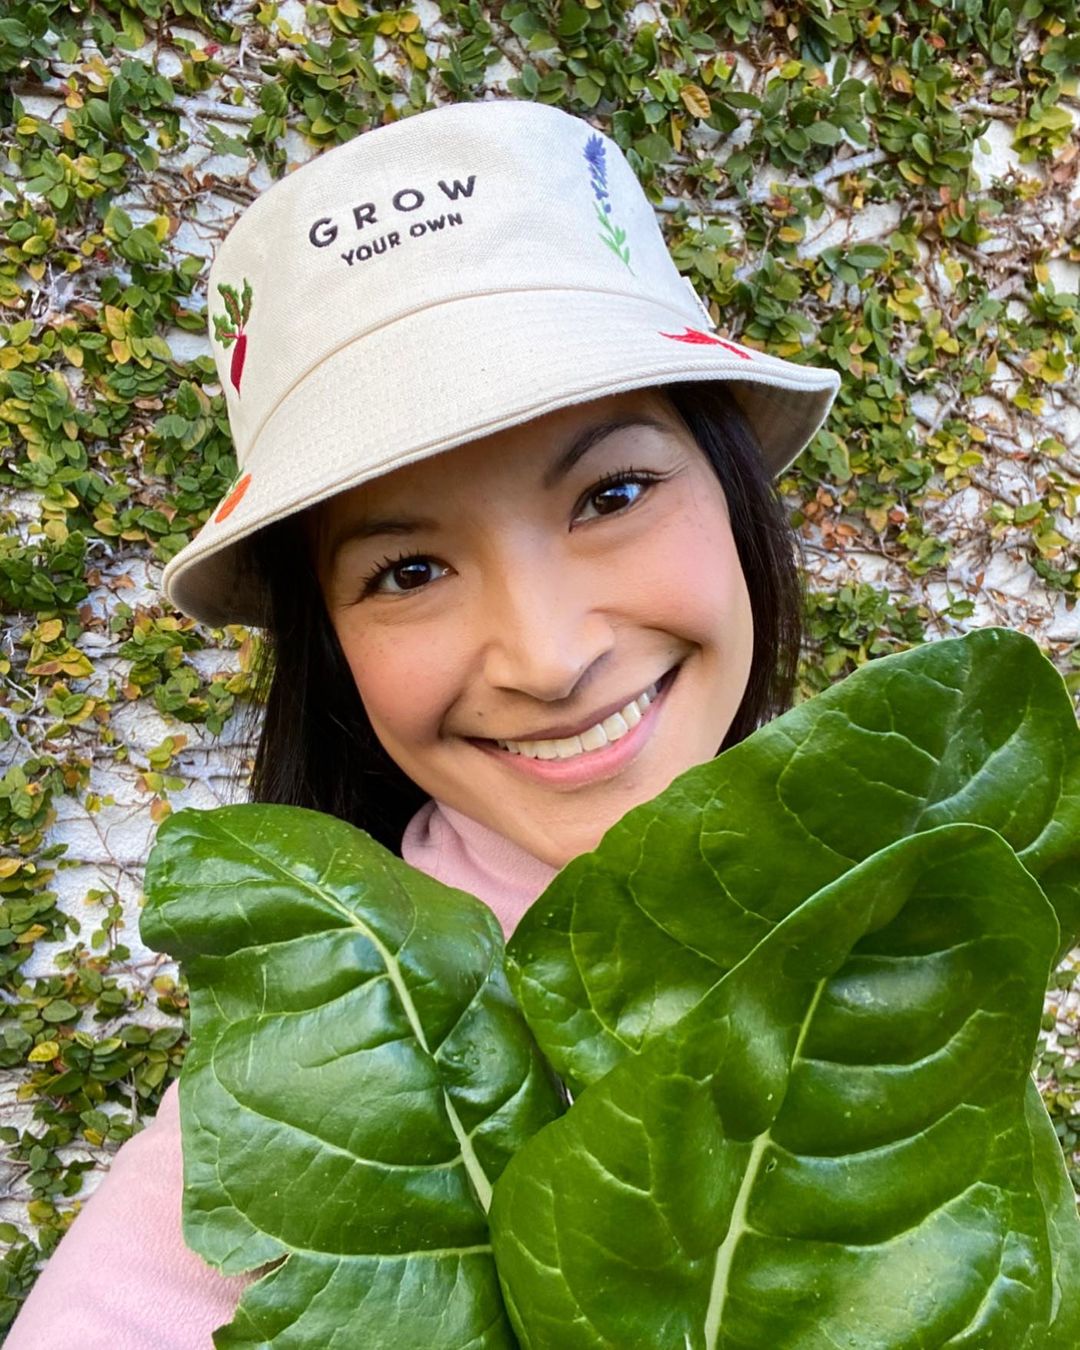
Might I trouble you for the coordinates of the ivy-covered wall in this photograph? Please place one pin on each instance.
(891, 189)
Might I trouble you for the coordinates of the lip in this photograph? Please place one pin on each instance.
(590, 765)
(567, 729)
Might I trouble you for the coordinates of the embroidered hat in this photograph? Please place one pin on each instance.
(434, 280)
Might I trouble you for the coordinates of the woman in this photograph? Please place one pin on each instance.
(505, 513)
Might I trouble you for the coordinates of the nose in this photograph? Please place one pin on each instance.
(543, 627)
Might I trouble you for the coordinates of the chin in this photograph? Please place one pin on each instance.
(557, 852)
(565, 850)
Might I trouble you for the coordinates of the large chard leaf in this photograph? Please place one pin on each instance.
(357, 1078)
(628, 938)
(837, 1147)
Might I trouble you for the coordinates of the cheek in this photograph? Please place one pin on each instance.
(695, 579)
(403, 692)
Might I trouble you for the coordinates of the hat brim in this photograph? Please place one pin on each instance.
(395, 395)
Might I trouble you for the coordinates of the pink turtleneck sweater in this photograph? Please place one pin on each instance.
(122, 1278)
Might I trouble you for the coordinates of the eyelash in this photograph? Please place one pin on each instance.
(645, 478)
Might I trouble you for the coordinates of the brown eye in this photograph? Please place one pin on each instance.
(618, 492)
(611, 499)
(410, 573)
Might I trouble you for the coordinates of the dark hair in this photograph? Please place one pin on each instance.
(317, 748)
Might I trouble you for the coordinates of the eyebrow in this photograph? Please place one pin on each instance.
(582, 443)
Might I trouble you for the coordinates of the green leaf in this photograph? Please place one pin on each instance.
(573, 19)
(833, 1148)
(273, 98)
(654, 147)
(14, 33)
(98, 112)
(736, 98)
(352, 1031)
(588, 91)
(823, 133)
(541, 41)
(1059, 1201)
(628, 938)
(118, 222)
(646, 44)
(866, 256)
(141, 246)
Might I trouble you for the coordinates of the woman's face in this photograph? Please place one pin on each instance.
(502, 591)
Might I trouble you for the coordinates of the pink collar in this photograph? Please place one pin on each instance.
(459, 851)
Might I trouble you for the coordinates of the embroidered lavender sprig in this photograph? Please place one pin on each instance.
(612, 235)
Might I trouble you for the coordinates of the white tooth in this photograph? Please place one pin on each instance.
(614, 726)
(603, 733)
(594, 738)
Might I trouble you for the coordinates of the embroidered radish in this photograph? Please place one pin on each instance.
(695, 335)
(231, 329)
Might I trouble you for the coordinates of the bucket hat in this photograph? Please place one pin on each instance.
(434, 280)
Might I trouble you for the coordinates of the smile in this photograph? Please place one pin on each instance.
(603, 733)
(600, 751)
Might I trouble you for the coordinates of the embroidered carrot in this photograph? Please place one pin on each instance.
(231, 328)
(232, 500)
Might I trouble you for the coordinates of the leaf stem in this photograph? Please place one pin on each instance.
(476, 1174)
(738, 1225)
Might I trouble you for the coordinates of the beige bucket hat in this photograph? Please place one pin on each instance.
(434, 280)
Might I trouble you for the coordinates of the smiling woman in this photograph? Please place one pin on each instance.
(527, 588)
(505, 513)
